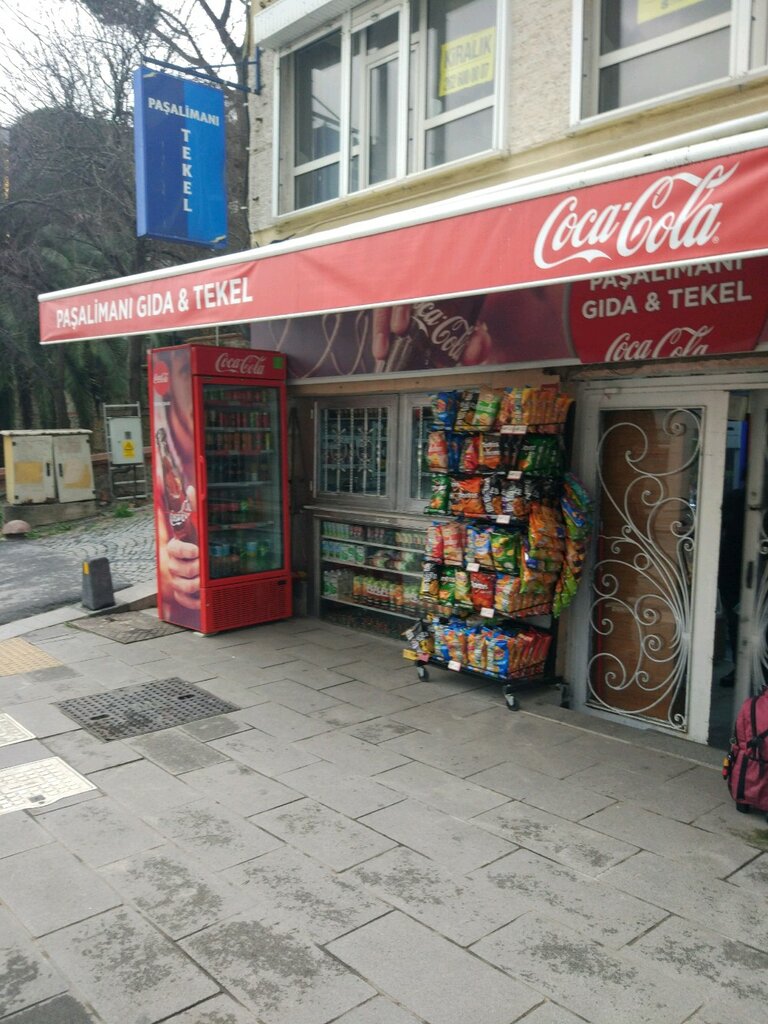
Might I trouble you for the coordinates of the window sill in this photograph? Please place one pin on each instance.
(674, 101)
(429, 185)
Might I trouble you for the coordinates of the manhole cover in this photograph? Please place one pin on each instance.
(148, 707)
(126, 627)
(38, 784)
(12, 731)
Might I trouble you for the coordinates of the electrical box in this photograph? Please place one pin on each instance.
(29, 474)
(126, 447)
(73, 466)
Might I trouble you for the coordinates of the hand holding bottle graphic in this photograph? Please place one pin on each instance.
(182, 554)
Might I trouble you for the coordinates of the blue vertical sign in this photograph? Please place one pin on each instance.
(181, 193)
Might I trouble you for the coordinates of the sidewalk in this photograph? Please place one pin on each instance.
(351, 845)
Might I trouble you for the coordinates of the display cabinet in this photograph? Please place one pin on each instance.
(369, 572)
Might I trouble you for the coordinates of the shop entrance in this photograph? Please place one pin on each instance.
(671, 632)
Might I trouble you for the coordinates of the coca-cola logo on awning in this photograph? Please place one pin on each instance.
(676, 211)
(245, 365)
(161, 378)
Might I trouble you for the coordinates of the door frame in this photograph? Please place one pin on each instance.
(710, 394)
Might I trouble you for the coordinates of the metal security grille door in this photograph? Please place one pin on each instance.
(647, 618)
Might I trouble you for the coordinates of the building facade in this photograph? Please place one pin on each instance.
(375, 110)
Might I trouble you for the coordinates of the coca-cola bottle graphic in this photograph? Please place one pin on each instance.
(180, 517)
(437, 336)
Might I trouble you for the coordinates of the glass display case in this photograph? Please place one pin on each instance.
(369, 573)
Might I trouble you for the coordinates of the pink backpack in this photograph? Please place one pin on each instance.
(746, 766)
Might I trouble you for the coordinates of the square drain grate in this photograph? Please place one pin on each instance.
(38, 784)
(12, 731)
(126, 627)
(147, 707)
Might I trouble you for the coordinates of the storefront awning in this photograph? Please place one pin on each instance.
(704, 202)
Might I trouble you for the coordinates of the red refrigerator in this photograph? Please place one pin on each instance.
(219, 472)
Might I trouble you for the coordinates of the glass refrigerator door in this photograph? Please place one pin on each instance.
(243, 459)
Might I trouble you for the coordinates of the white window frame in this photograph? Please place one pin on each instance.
(748, 22)
(285, 171)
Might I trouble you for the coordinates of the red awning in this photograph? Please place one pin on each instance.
(704, 202)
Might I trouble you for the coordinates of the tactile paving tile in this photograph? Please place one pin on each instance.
(18, 655)
(148, 707)
(12, 731)
(39, 783)
(126, 627)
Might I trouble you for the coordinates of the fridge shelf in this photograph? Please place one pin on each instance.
(239, 430)
(373, 544)
(238, 483)
(385, 609)
(366, 565)
(223, 527)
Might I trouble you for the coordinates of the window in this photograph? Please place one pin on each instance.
(356, 450)
(388, 91)
(640, 50)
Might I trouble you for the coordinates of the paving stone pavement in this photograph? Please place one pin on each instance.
(128, 543)
(353, 846)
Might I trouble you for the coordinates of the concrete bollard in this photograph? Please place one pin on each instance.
(97, 584)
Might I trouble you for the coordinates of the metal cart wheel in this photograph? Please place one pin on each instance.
(512, 702)
(422, 673)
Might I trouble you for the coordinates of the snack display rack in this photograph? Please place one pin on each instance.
(504, 552)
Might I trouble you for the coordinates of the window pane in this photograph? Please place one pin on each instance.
(420, 476)
(383, 122)
(675, 67)
(317, 101)
(353, 451)
(459, 138)
(373, 107)
(317, 186)
(626, 22)
(461, 58)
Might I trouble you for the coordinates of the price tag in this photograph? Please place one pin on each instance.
(454, 666)
(514, 428)
(486, 613)
(515, 474)
(503, 520)
(473, 566)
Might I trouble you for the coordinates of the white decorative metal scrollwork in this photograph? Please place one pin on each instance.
(653, 550)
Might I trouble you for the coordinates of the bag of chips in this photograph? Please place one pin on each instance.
(465, 497)
(465, 415)
(483, 586)
(420, 638)
(430, 582)
(446, 587)
(468, 460)
(505, 548)
(444, 405)
(497, 654)
(462, 588)
(453, 543)
(441, 489)
(433, 548)
(492, 495)
(489, 451)
(486, 409)
(437, 452)
(478, 546)
(476, 640)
